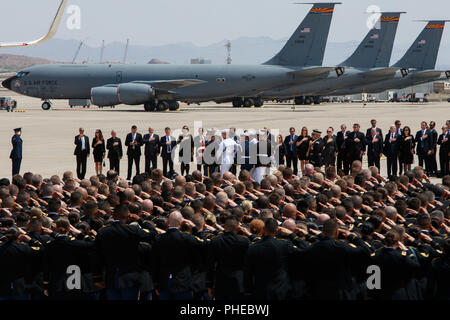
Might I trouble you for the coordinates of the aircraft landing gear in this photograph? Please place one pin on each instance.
(299, 100)
(237, 103)
(150, 106)
(259, 103)
(309, 100)
(46, 105)
(162, 106)
(174, 106)
(248, 103)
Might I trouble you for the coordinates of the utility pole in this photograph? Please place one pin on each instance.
(77, 52)
(126, 52)
(102, 51)
(228, 46)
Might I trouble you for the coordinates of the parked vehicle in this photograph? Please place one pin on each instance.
(6, 103)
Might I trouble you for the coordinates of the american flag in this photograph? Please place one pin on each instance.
(305, 30)
(375, 36)
(422, 42)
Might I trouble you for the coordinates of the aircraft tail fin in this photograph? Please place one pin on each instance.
(306, 47)
(422, 55)
(376, 49)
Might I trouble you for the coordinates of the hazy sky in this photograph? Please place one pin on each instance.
(202, 22)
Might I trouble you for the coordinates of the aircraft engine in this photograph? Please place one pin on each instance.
(134, 93)
(104, 96)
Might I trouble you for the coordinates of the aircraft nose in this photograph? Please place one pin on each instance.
(7, 82)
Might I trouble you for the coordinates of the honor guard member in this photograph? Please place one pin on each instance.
(16, 152)
(315, 149)
(115, 153)
(263, 158)
(226, 152)
(225, 276)
(118, 257)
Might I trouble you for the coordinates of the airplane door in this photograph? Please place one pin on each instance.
(119, 76)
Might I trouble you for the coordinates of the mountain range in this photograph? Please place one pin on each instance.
(245, 50)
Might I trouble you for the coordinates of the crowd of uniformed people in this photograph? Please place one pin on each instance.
(232, 229)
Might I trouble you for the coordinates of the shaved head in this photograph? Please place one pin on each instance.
(175, 219)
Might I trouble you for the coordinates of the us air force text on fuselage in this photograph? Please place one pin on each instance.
(190, 311)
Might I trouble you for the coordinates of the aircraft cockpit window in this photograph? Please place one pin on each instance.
(22, 74)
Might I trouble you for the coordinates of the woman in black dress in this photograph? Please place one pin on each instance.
(98, 146)
(302, 148)
(406, 149)
(186, 144)
(330, 148)
(280, 152)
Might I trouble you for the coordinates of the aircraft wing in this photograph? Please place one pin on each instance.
(312, 72)
(48, 36)
(167, 85)
(381, 72)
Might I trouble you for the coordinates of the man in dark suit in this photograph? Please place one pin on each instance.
(291, 150)
(434, 137)
(356, 144)
(444, 142)
(167, 144)
(16, 152)
(152, 150)
(82, 152)
(341, 137)
(134, 143)
(423, 141)
(373, 122)
(115, 153)
(374, 148)
(391, 151)
(399, 131)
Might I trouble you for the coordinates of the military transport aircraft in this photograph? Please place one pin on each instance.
(419, 61)
(160, 87)
(369, 63)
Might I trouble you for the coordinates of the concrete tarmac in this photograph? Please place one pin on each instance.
(49, 135)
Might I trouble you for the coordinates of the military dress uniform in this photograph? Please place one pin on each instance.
(226, 266)
(16, 152)
(315, 153)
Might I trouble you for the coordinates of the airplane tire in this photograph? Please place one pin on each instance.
(259, 103)
(308, 100)
(248, 103)
(299, 100)
(46, 106)
(237, 103)
(174, 106)
(149, 107)
(162, 106)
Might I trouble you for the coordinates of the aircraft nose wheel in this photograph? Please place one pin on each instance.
(46, 106)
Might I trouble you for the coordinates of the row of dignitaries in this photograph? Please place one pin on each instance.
(226, 237)
(220, 152)
(398, 145)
